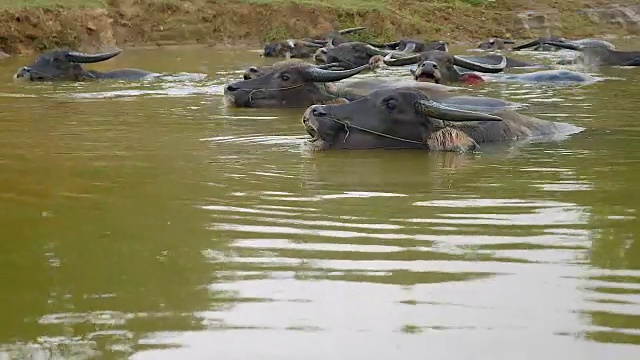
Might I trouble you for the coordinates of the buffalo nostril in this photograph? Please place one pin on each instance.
(318, 112)
(232, 88)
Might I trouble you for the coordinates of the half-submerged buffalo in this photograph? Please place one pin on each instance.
(544, 43)
(495, 43)
(411, 45)
(352, 54)
(306, 47)
(595, 54)
(291, 48)
(64, 64)
(438, 66)
(289, 84)
(253, 72)
(409, 119)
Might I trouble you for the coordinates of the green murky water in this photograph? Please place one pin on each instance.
(149, 221)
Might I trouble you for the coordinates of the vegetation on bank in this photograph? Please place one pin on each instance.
(28, 25)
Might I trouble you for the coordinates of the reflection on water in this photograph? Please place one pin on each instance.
(150, 221)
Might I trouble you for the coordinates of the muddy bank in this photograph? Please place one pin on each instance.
(143, 22)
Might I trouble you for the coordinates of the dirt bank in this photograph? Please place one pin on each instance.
(137, 22)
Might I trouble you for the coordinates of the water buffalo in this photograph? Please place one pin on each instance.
(438, 66)
(348, 55)
(410, 45)
(253, 72)
(494, 43)
(336, 37)
(409, 119)
(354, 54)
(65, 64)
(544, 44)
(596, 54)
(290, 84)
(304, 48)
(291, 48)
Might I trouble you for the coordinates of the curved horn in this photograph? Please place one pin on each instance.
(317, 41)
(310, 44)
(508, 41)
(437, 110)
(376, 51)
(402, 61)
(351, 30)
(410, 47)
(335, 65)
(393, 44)
(78, 57)
(564, 45)
(475, 66)
(316, 74)
(530, 44)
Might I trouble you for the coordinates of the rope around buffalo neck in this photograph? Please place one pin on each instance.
(275, 89)
(347, 125)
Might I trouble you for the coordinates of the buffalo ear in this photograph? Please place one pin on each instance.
(450, 139)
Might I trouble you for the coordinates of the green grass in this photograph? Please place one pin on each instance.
(16, 4)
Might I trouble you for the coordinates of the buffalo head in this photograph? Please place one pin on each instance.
(391, 119)
(348, 55)
(289, 84)
(290, 48)
(253, 72)
(62, 64)
(494, 43)
(438, 66)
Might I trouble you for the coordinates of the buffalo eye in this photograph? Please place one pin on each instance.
(391, 105)
(285, 77)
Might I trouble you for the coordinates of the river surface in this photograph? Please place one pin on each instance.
(150, 221)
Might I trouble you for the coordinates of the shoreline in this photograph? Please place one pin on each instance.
(248, 24)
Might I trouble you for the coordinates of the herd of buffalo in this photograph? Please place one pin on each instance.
(427, 111)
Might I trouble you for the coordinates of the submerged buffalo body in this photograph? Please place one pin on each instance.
(66, 65)
(409, 119)
(598, 54)
(545, 44)
(547, 76)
